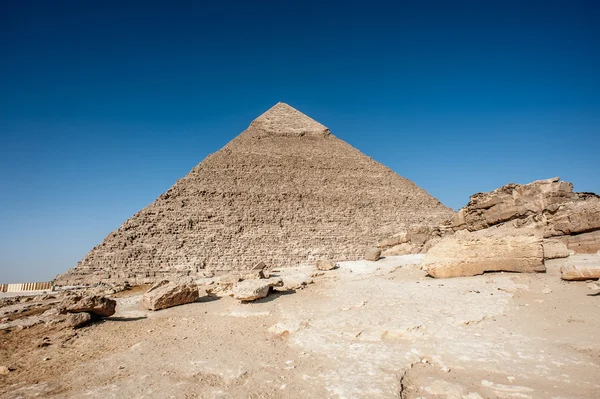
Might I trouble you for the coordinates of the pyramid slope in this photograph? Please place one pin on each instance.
(283, 120)
(282, 198)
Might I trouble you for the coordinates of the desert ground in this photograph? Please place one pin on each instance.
(364, 330)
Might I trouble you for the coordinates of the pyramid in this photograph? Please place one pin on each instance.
(285, 191)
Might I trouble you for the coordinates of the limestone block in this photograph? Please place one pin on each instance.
(470, 253)
(166, 294)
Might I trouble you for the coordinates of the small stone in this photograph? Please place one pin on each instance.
(546, 290)
(325, 265)
(4, 370)
(76, 320)
(250, 290)
(121, 367)
(46, 359)
(593, 286)
(510, 378)
(373, 254)
(446, 369)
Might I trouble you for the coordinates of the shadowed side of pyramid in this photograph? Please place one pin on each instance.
(285, 191)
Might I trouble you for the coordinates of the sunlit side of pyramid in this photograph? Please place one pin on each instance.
(285, 191)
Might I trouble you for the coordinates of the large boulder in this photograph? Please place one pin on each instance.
(96, 305)
(166, 294)
(471, 253)
(251, 290)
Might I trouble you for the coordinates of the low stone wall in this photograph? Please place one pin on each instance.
(39, 286)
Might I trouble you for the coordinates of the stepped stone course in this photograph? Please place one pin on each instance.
(285, 191)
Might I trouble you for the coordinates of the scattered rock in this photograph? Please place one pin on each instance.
(4, 370)
(44, 342)
(228, 281)
(296, 281)
(372, 254)
(593, 286)
(251, 290)
(325, 265)
(166, 294)
(574, 272)
(96, 305)
(76, 320)
(252, 274)
(259, 266)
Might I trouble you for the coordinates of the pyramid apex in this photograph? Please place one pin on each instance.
(284, 120)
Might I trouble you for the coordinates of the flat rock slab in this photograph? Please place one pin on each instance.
(166, 294)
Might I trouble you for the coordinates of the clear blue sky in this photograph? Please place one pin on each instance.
(104, 105)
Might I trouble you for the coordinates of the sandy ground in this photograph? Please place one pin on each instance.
(365, 330)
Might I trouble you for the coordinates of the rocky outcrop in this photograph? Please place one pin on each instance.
(285, 192)
(515, 228)
(577, 217)
(166, 294)
(513, 202)
(468, 253)
(251, 290)
(549, 205)
(96, 305)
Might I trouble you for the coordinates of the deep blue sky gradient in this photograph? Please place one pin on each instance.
(104, 105)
